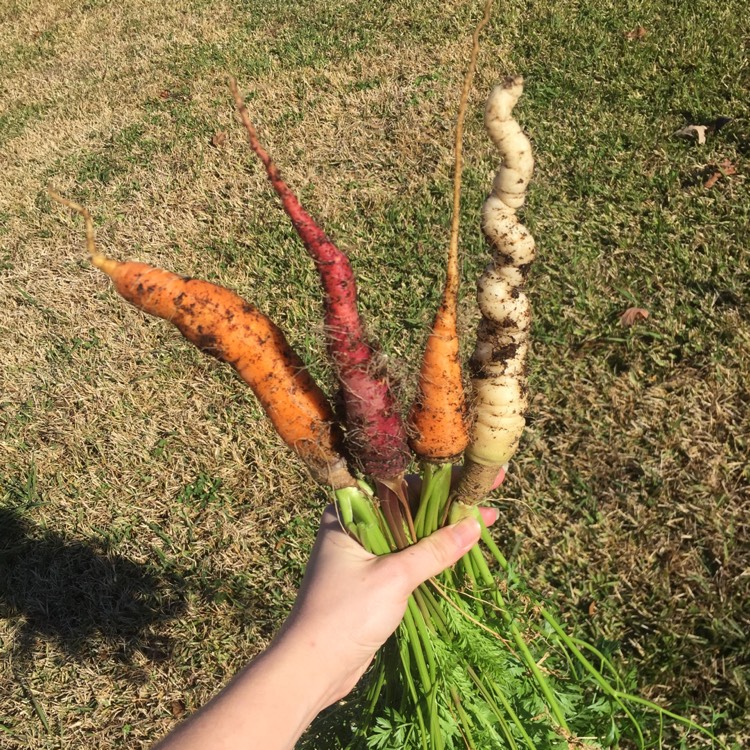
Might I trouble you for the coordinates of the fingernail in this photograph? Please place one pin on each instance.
(466, 532)
(500, 477)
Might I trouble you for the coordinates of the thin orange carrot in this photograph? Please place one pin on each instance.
(222, 324)
(438, 416)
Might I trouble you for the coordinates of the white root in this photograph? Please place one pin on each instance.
(498, 364)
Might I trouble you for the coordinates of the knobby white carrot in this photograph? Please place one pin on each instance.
(498, 364)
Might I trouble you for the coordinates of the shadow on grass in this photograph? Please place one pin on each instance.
(78, 596)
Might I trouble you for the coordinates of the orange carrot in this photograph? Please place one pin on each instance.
(222, 324)
(438, 415)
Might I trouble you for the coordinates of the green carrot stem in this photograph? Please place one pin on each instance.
(436, 733)
(424, 495)
(497, 713)
(603, 659)
(471, 575)
(365, 513)
(438, 618)
(406, 671)
(412, 638)
(439, 498)
(511, 712)
(479, 561)
(377, 686)
(362, 506)
(464, 720)
(344, 504)
(436, 483)
(423, 609)
(488, 579)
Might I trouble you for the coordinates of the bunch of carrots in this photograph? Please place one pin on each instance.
(478, 661)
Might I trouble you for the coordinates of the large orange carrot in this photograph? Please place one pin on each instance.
(222, 324)
(438, 415)
(375, 432)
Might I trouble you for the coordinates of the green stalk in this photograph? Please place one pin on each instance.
(406, 671)
(436, 734)
(437, 616)
(439, 497)
(464, 720)
(425, 638)
(498, 715)
(377, 686)
(424, 495)
(412, 638)
(604, 660)
(471, 576)
(344, 505)
(488, 579)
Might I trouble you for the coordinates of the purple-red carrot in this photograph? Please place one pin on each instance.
(375, 433)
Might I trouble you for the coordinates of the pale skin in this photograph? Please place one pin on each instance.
(349, 603)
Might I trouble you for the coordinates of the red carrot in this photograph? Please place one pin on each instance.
(375, 432)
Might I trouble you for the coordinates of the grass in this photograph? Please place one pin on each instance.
(153, 528)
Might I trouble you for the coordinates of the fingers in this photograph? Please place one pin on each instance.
(499, 478)
(489, 515)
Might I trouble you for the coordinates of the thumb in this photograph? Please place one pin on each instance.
(439, 551)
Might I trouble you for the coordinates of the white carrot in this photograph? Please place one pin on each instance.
(498, 365)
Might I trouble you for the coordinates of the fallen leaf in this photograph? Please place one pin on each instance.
(632, 315)
(636, 34)
(725, 169)
(697, 130)
(218, 138)
(592, 608)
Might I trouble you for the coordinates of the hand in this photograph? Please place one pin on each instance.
(351, 601)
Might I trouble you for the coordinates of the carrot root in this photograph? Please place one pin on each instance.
(375, 435)
(222, 324)
(437, 419)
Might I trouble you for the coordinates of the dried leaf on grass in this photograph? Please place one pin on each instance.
(219, 138)
(638, 33)
(633, 315)
(724, 169)
(694, 130)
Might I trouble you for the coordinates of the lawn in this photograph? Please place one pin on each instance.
(153, 529)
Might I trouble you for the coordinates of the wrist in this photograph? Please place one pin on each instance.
(326, 674)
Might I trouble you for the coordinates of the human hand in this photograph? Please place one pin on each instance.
(351, 601)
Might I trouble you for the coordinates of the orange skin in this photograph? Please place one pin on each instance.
(438, 416)
(222, 324)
